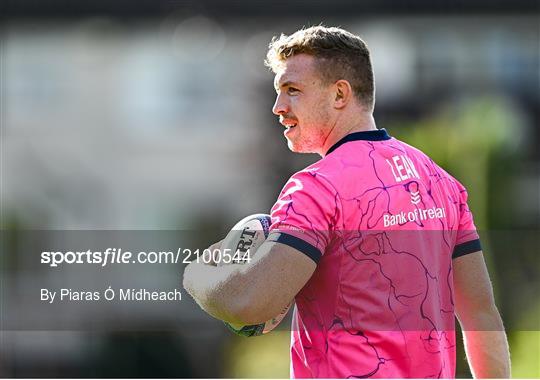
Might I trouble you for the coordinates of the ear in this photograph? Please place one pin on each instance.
(343, 93)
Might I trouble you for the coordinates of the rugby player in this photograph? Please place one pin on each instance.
(374, 242)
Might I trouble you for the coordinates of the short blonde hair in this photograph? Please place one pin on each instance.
(339, 55)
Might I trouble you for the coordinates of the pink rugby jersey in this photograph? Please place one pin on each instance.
(383, 223)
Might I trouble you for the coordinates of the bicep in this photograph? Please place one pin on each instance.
(275, 275)
(472, 286)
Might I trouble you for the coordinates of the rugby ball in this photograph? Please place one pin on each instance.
(242, 243)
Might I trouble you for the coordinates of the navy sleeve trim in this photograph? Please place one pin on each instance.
(292, 241)
(466, 248)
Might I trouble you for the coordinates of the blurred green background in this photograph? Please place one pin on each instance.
(157, 116)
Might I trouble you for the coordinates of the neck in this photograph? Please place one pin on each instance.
(359, 123)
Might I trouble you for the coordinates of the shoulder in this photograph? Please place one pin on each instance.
(433, 169)
(311, 181)
(318, 176)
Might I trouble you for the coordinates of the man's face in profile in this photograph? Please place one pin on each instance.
(303, 104)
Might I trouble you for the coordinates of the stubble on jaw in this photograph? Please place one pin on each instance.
(315, 142)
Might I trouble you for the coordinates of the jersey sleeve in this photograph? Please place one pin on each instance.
(467, 240)
(305, 214)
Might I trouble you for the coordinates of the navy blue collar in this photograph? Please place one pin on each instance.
(374, 135)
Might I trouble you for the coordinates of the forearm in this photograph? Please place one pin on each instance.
(248, 294)
(211, 288)
(486, 345)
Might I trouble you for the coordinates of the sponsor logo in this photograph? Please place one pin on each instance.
(415, 193)
(415, 197)
(402, 168)
(419, 214)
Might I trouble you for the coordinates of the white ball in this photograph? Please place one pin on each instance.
(239, 247)
(244, 239)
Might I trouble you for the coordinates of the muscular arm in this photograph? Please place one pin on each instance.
(483, 331)
(250, 293)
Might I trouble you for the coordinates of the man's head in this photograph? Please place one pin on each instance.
(320, 73)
